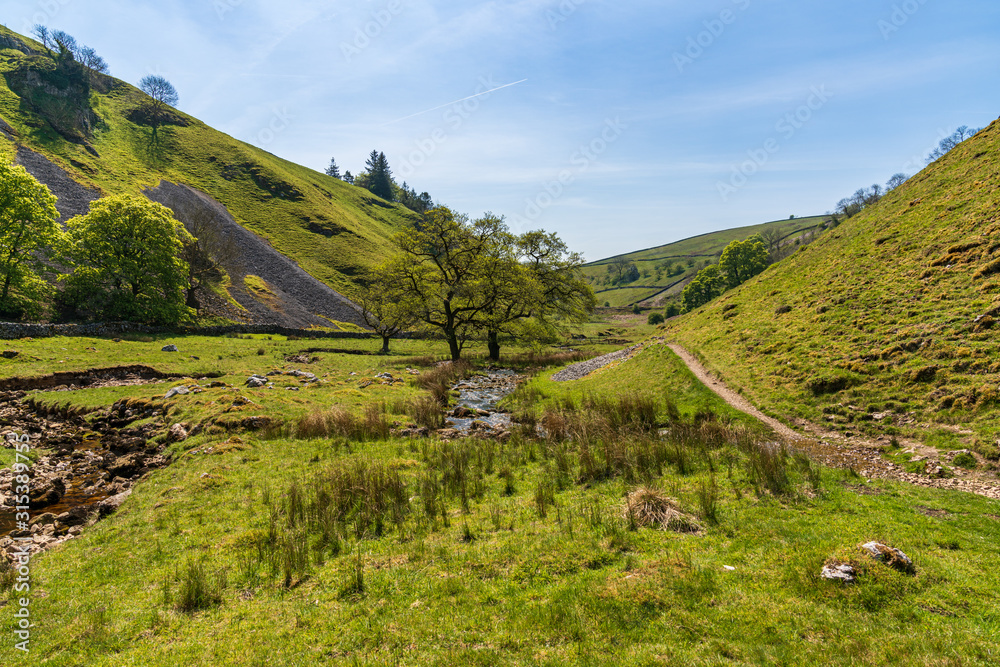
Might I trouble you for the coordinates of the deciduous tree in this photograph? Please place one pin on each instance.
(125, 254)
(705, 286)
(29, 228)
(162, 94)
(386, 308)
(742, 260)
(440, 265)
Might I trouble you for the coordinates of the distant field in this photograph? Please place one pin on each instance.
(654, 287)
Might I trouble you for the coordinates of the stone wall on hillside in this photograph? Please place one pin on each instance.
(16, 330)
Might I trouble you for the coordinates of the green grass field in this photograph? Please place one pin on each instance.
(519, 561)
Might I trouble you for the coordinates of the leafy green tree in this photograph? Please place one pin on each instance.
(440, 266)
(379, 176)
(673, 310)
(29, 228)
(742, 260)
(534, 285)
(385, 308)
(705, 286)
(125, 254)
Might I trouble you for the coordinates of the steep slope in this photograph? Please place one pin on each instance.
(330, 229)
(656, 284)
(884, 325)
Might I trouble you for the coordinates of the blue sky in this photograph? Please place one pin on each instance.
(629, 124)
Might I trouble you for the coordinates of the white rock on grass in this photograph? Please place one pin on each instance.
(169, 348)
(839, 572)
(890, 556)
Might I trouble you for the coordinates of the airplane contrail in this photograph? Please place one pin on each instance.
(485, 92)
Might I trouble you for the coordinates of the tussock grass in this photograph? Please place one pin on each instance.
(648, 506)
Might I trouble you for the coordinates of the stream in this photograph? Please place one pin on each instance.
(478, 401)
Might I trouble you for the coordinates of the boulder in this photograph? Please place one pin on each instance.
(44, 519)
(256, 381)
(46, 492)
(890, 556)
(127, 466)
(839, 572)
(74, 517)
(109, 505)
(169, 348)
(177, 391)
(177, 433)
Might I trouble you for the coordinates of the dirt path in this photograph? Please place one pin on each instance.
(838, 451)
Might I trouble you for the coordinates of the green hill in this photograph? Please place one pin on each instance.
(102, 140)
(657, 283)
(885, 325)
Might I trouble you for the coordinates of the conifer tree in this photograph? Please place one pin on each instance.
(379, 175)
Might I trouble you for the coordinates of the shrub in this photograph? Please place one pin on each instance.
(636, 310)
(655, 318)
(965, 460)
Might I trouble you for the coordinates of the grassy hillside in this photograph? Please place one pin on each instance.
(333, 230)
(885, 325)
(657, 284)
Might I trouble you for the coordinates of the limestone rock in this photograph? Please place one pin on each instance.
(46, 492)
(177, 391)
(839, 572)
(169, 348)
(178, 433)
(890, 556)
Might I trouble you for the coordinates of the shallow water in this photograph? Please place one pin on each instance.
(484, 392)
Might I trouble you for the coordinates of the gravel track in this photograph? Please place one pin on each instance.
(584, 368)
